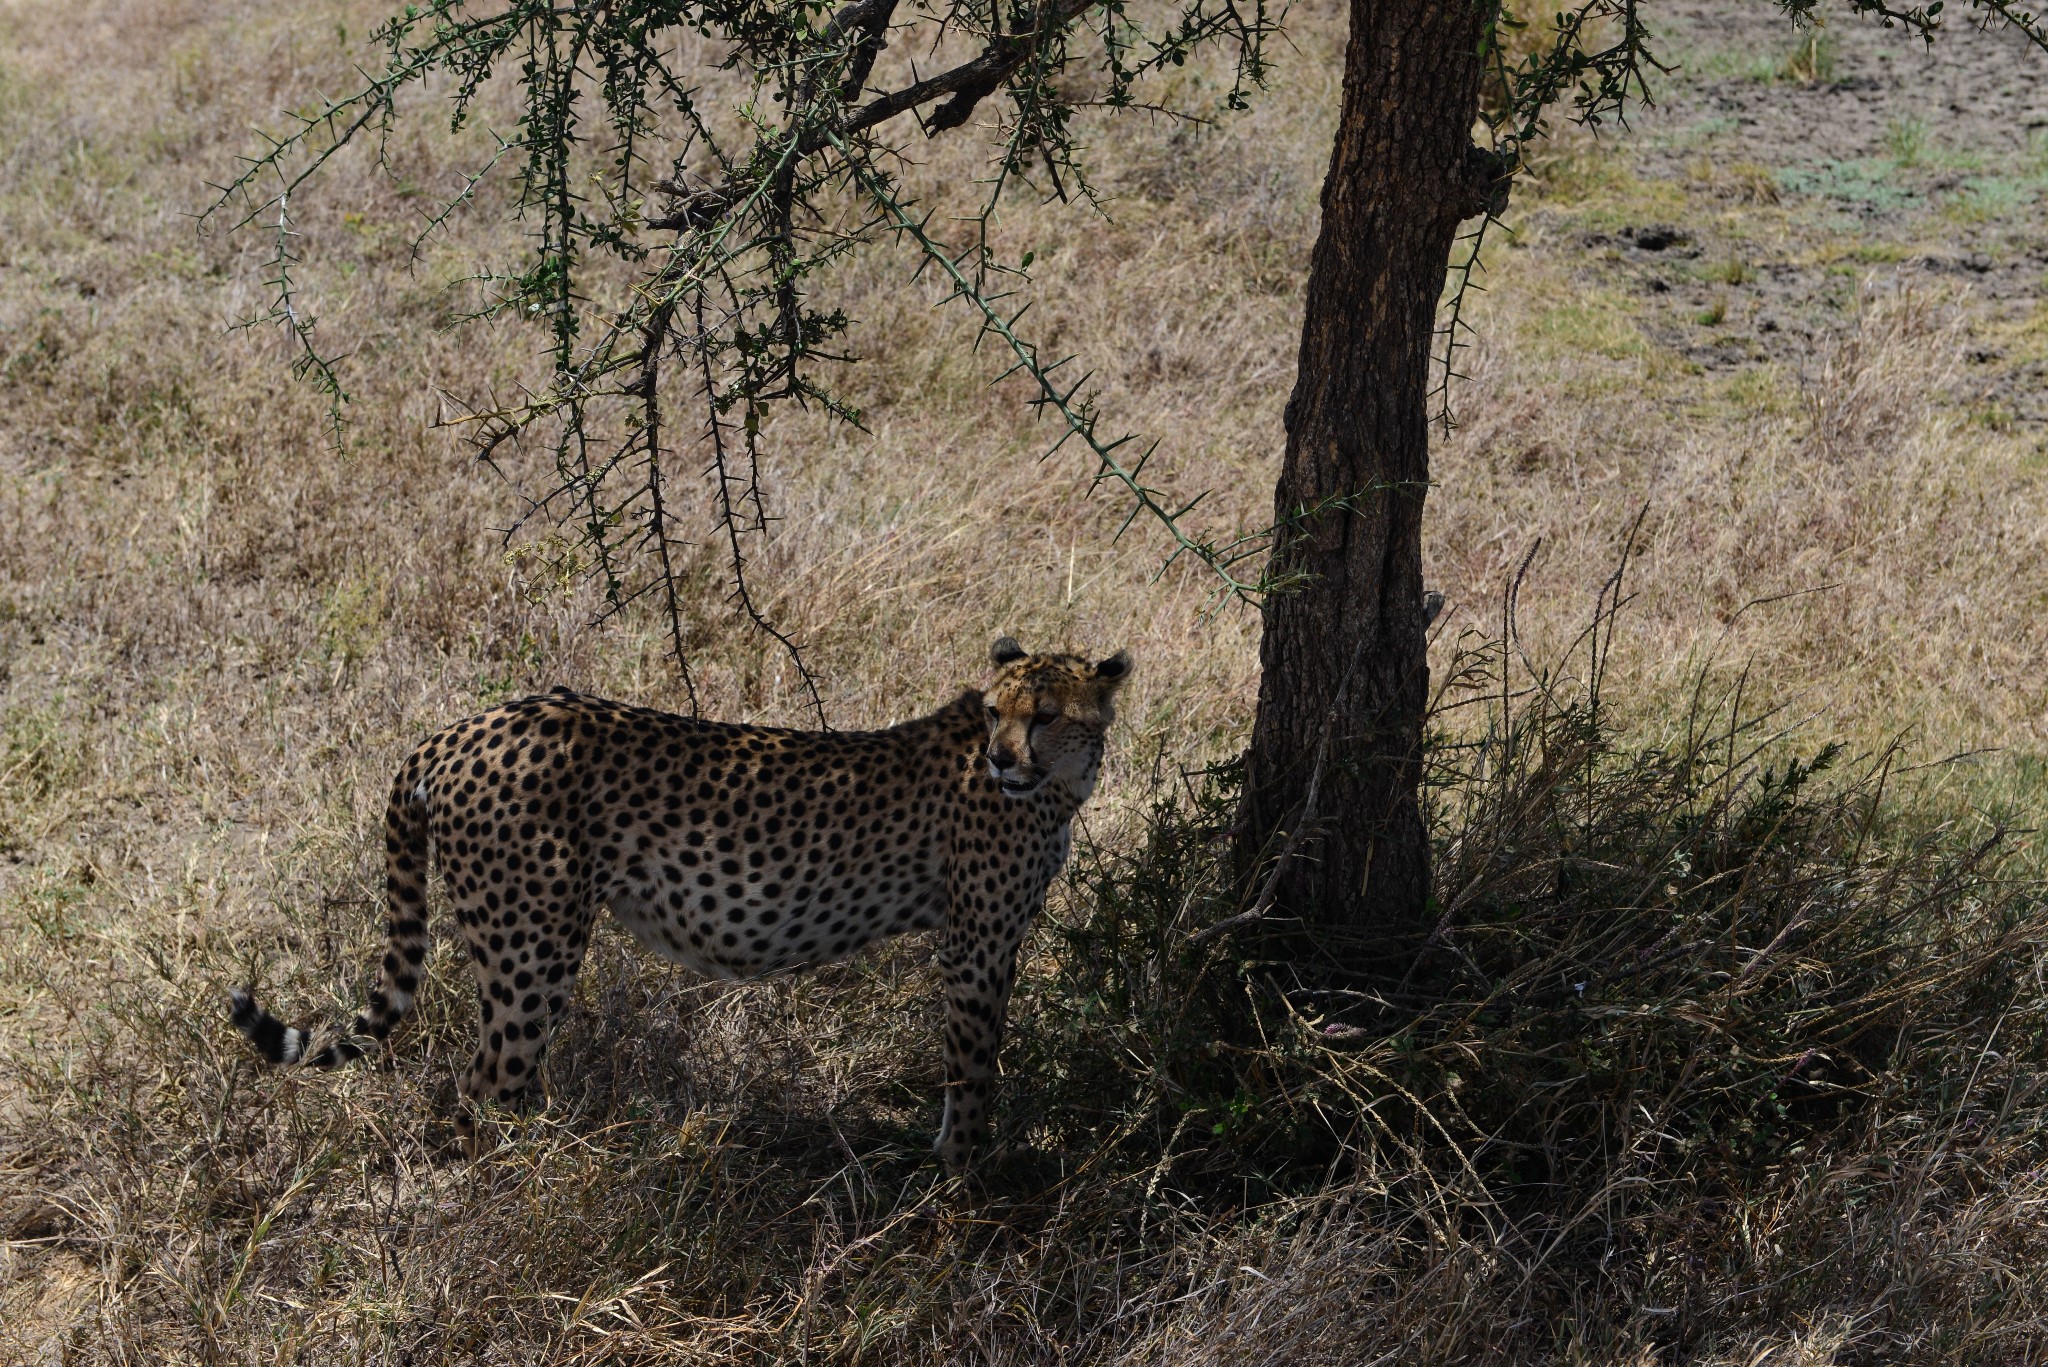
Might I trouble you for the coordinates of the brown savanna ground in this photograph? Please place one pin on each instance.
(1795, 317)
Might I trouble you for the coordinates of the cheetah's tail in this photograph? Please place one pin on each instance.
(281, 1043)
(405, 871)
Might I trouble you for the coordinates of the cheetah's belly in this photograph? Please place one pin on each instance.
(732, 914)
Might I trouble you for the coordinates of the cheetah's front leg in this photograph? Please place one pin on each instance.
(978, 962)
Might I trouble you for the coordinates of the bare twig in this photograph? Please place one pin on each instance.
(728, 519)
(657, 512)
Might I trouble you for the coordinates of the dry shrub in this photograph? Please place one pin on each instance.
(1874, 382)
(1710, 1037)
(1679, 1061)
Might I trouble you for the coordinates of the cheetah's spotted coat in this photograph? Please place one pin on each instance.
(735, 850)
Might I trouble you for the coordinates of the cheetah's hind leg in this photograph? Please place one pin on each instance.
(526, 953)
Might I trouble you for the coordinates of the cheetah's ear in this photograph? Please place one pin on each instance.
(1005, 650)
(1115, 667)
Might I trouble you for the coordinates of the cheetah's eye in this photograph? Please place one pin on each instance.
(1045, 718)
(993, 714)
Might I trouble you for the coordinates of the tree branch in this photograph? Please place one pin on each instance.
(872, 18)
(967, 85)
(970, 82)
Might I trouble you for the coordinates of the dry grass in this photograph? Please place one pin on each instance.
(216, 636)
(1911, 536)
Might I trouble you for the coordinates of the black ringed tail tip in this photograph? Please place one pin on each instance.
(275, 1040)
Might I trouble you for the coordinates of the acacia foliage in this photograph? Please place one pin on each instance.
(725, 219)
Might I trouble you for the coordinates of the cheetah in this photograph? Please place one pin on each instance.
(737, 851)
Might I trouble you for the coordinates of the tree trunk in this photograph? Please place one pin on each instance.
(1343, 650)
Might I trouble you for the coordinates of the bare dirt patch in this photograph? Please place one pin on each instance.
(1882, 150)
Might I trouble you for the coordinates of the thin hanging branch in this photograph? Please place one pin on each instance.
(657, 509)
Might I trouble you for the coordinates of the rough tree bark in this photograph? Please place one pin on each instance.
(1343, 652)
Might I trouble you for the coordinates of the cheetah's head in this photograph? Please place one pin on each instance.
(1047, 715)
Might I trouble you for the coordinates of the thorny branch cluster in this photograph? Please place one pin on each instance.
(729, 219)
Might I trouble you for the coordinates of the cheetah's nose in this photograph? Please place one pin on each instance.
(1002, 756)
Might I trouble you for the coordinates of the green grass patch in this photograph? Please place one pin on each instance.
(1734, 64)
(1879, 253)
(1591, 181)
(1598, 322)
(1906, 140)
(1866, 180)
(1731, 270)
(1983, 199)
(1808, 59)
(1752, 390)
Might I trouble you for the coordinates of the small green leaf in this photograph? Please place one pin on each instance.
(1025, 264)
